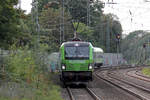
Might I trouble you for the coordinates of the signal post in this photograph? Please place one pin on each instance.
(118, 42)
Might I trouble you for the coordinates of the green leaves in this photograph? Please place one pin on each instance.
(100, 26)
(8, 23)
(132, 47)
(21, 65)
(83, 31)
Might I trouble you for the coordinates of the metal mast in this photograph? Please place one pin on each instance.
(62, 36)
(63, 19)
(108, 37)
(108, 31)
(35, 19)
(88, 12)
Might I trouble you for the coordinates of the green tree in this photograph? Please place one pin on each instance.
(9, 29)
(107, 25)
(84, 32)
(44, 4)
(101, 25)
(50, 27)
(132, 47)
(78, 10)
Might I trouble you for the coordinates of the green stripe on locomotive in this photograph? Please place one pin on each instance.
(78, 64)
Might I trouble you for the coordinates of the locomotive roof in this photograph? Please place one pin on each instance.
(96, 49)
(75, 42)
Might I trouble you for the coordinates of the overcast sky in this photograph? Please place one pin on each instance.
(26, 5)
(133, 14)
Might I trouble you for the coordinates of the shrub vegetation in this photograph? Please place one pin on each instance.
(26, 67)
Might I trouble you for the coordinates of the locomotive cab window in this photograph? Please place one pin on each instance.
(77, 52)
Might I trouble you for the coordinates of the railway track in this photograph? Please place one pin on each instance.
(138, 75)
(82, 94)
(114, 90)
(134, 84)
(126, 86)
(130, 83)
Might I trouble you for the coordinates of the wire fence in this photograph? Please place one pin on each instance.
(113, 59)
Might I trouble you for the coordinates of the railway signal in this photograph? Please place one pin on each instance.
(118, 36)
(144, 45)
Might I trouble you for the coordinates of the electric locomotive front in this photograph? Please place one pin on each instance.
(76, 61)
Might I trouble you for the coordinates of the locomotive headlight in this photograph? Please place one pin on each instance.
(90, 67)
(63, 67)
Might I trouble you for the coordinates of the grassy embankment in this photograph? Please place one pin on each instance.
(29, 73)
(146, 71)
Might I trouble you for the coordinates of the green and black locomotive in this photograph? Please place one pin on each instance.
(76, 58)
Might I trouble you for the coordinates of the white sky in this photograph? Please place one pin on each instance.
(133, 14)
(26, 5)
(136, 10)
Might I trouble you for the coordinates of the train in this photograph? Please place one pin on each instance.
(76, 62)
(98, 57)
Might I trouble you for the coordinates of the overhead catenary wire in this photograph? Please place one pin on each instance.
(135, 14)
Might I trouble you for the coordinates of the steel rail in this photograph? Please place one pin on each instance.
(138, 73)
(93, 94)
(116, 85)
(129, 83)
(70, 94)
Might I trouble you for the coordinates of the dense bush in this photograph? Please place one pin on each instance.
(21, 65)
(26, 67)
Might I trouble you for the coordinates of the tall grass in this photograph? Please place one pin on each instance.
(26, 67)
(146, 71)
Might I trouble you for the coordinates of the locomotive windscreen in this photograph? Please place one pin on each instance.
(77, 52)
